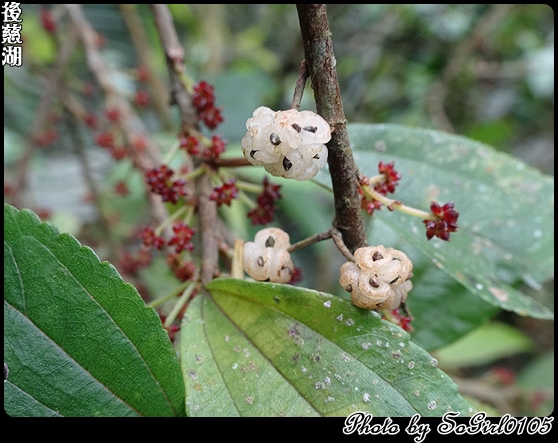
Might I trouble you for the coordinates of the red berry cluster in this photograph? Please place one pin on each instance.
(46, 138)
(182, 237)
(504, 375)
(203, 100)
(43, 213)
(150, 239)
(296, 276)
(139, 143)
(223, 195)
(403, 320)
(183, 271)
(368, 204)
(130, 264)
(113, 114)
(142, 74)
(446, 222)
(160, 182)
(121, 188)
(391, 176)
(47, 21)
(90, 119)
(105, 140)
(218, 146)
(172, 329)
(264, 212)
(142, 98)
(388, 184)
(190, 144)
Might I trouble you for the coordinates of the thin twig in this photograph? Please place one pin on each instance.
(75, 113)
(310, 240)
(145, 57)
(303, 74)
(174, 53)
(234, 162)
(129, 122)
(338, 240)
(332, 233)
(207, 212)
(50, 93)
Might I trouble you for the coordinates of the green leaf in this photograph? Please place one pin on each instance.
(506, 209)
(484, 345)
(78, 340)
(260, 349)
(538, 374)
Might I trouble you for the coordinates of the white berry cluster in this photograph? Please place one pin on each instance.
(267, 258)
(378, 278)
(289, 144)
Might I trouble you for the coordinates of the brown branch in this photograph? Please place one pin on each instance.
(130, 123)
(300, 85)
(75, 113)
(145, 58)
(231, 162)
(207, 212)
(318, 52)
(332, 233)
(311, 240)
(207, 209)
(174, 54)
(50, 93)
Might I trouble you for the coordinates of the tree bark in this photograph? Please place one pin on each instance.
(318, 53)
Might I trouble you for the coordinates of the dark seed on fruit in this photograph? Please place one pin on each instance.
(274, 139)
(287, 164)
(312, 129)
(377, 256)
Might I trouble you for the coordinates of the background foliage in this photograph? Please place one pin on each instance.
(481, 71)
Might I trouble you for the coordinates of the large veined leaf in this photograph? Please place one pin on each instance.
(441, 306)
(486, 344)
(78, 340)
(265, 349)
(506, 209)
